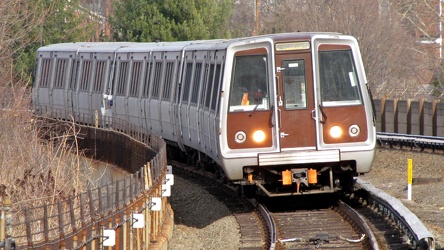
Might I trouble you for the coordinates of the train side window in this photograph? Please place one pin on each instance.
(146, 84)
(122, 78)
(187, 82)
(99, 78)
(295, 96)
(167, 80)
(156, 80)
(210, 85)
(86, 75)
(217, 86)
(60, 75)
(72, 80)
(45, 73)
(338, 79)
(196, 83)
(249, 83)
(135, 79)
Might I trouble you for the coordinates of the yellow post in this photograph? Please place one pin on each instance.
(409, 179)
(97, 119)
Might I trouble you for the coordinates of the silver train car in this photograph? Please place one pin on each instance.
(281, 114)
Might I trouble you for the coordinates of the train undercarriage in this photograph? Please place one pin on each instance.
(292, 180)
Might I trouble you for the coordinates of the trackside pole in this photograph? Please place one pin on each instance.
(409, 179)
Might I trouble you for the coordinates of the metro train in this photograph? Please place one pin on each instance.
(281, 114)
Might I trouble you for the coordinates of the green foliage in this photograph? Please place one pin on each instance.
(170, 20)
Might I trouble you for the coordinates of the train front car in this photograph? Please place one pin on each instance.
(297, 116)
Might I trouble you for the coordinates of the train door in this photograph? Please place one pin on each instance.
(295, 101)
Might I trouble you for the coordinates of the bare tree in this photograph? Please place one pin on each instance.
(423, 19)
(395, 67)
(20, 18)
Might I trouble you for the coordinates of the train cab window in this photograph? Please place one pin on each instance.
(295, 96)
(338, 79)
(249, 83)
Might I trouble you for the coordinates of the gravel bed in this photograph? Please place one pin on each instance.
(202, 222)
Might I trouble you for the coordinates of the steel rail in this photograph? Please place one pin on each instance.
(416, 141)
(270, 223)
(360, 222)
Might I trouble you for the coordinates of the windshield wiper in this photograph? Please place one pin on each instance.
(254, 110)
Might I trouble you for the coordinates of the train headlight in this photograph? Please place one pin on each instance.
(354, 130)
(335, 132)
(258, 136)
(240, 137)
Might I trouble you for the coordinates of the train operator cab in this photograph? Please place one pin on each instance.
(298, 115)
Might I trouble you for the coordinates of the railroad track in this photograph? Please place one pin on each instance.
(335, 227)
(412, 141)
(369, 222)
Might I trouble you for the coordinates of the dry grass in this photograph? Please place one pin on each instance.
(33, 171)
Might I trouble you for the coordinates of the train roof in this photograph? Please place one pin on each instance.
(175, 46)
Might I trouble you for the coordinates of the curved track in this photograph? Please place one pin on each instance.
(335, 225)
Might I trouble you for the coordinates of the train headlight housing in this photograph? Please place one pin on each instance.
(258, 136)
(354, 130)
(240, 137)
(335, 131)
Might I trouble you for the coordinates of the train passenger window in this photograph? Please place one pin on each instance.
(168, 81)
(135, 79)
(187, 82)
(72, 80)
(338, 80)
(45, 73)
(85, 75)
(249, 83)
(196, 83)
(99, 78)
(146, 84)
(295, 96)
(210, 84)
(156, 80)
(217, 86)
(60, 73)
(122, 78)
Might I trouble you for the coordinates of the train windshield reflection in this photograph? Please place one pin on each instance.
(338, 80)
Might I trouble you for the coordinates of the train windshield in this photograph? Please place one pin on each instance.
(249, 83)
(338, 80)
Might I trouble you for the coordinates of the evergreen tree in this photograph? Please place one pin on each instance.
(170, 20)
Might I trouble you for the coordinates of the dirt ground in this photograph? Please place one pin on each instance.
(389, 173)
